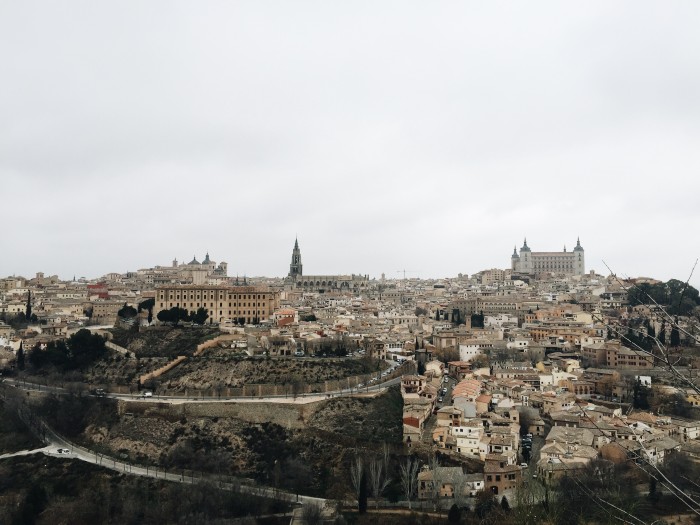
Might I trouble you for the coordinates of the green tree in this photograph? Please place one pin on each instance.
(200, 316)
(454, 515)
(20, 357)
(28, 310)
(55, 354)
(677, 297)
(640, 395)
(148, 304)
(504, 504)
(675, 340)
(478, 320)
(85, 347)
(127, 312)
(173, 316)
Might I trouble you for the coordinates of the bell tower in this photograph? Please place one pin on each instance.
(295, 268)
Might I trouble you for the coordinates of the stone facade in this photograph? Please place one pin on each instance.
(533, 263)
(321, 283)
(242, 304)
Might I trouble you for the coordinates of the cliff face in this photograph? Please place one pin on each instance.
(314, 441)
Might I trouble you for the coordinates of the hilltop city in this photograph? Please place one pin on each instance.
(510, 390)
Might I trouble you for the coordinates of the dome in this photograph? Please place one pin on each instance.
(578, 248)
(194, 260)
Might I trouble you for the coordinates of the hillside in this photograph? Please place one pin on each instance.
(313, 444)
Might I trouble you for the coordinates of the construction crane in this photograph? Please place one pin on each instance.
(405, 272)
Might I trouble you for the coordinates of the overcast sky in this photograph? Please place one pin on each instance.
(425, 136)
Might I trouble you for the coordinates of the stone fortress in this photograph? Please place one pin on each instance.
(532, 263)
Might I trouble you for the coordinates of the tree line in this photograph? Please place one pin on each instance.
(677, 297)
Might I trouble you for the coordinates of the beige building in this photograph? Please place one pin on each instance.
(533, 263)
(241, 304)
(105, 312)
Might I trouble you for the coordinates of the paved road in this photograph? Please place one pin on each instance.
(42, 450)
(73, 452)
(176, 400)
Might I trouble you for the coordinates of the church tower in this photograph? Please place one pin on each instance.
(295, 268)
(526, 263)
(579, 259)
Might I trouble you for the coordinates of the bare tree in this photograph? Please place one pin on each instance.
(459, 487)
(379, 474)
(357, 468)
(436, 482)
(409, 478)
(312, 514)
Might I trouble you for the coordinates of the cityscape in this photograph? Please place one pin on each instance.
(349, 263)
(461, 399)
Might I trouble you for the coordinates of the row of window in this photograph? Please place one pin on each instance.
(210, 297)
(221, 305)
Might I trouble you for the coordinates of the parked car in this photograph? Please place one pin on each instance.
(441, 399)
(147, 393)
(62, 451)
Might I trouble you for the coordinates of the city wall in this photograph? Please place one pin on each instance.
(290, 415)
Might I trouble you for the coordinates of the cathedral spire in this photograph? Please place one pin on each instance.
(295, 267)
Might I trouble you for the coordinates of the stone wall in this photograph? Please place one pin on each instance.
(290, 415)
(157, 373)
(215, 342)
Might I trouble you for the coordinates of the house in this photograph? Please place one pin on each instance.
(500, 476)
(434, 368)
(412, 384)
(449, 416)
(459, 369)
(440, 482)
(467, 438)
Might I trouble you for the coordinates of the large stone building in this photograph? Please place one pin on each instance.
(193, 272)
(240, 304)
(532, 263)
(321, 283)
